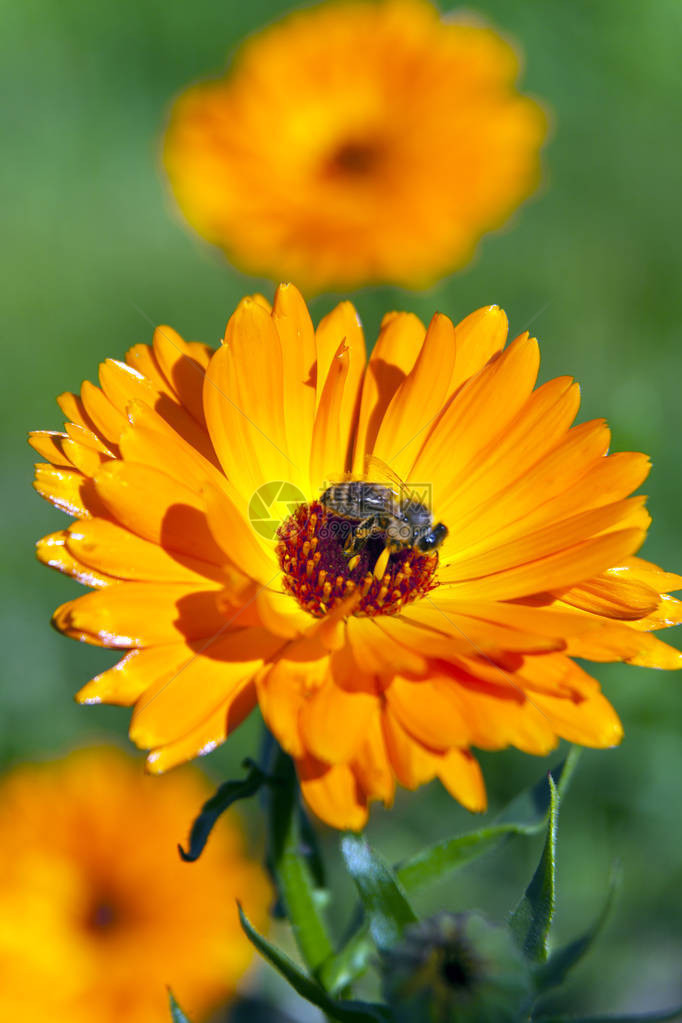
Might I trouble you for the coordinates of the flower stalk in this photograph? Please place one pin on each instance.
(289, 865)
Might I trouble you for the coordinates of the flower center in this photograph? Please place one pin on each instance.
(353, 159)
(317, 568)
(103, 915)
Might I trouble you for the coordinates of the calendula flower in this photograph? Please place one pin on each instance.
(208, 489)
(97, 912)
(356, 143)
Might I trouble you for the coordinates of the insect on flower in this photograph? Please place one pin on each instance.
(389, 511)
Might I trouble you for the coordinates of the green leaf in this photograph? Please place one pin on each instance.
(526, 814)
(177, 1015)
(554, 971)
(648, 1017)
(531, 920)
(226, 795)
(306, 987)
(382, 894)
(289, 862)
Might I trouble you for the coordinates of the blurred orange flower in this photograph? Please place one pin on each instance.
(97, 912)
(357, 143)
(182, 465)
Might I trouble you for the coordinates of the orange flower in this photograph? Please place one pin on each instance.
(97, 912)
(173, 466)
(356, 143)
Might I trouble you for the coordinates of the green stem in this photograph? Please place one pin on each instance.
(289, 866)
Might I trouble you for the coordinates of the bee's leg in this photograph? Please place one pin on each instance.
(358, 537)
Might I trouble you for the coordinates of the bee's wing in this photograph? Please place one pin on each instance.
(377, 471)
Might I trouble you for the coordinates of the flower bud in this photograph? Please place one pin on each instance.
(456, 967)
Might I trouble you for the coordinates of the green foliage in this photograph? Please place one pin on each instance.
(531, 920)
(177, 1015)
(343, 1011)
(647, 1017)
(383, 897)
(228, 793)
(443, 968)
(554, 972)
(526, 814)
(294, 865)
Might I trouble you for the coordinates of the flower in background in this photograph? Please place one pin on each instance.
(357, 143)
(199, 481)
(97, 912)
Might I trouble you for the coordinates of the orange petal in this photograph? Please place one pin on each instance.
(157, 508)
(123, 384)
(539, 426)
(621, 642)
(297, 336)
(141, 614)
(281, 693)
(73, 408)
(333, 794)
(486, 558)
(564, 568)
(400, 340)
(204, 739)
(500, 716)
(461, 775)
(429, 711)
(612, 597)
(83, 458)
(650, 574)
(280, 614)
(478, 414)
(118, 553)
(109, 421)
(371, 765)
(48, 443)
(52, 551)
(244, 407)
(87, 439)
(382, 650)
(342, 328)
(185, 695)
(477, 338)
(70, 491)
(329, 452)
(233, 534)
(438, 633)
(418, 401)
(590, 722)
(334, 721)
(151, 441)
(412, 763)
(130, 677)
(182, 371)
(143, 359)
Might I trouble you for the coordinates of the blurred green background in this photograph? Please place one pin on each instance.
(93, 255)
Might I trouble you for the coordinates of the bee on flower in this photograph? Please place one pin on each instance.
(373, 662)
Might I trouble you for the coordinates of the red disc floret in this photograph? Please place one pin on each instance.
(315, 566)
